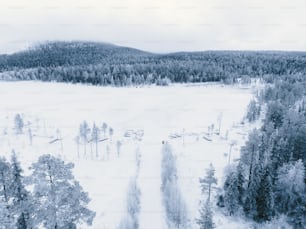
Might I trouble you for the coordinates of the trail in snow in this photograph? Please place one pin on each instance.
(152, 211)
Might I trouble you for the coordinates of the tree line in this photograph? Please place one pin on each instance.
(104, 64)
(269, 179)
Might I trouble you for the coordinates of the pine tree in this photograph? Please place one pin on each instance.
(5, 180)
(208, 181)
(231, 193)
(6, 221)
(265, 197)
(297, 212)
(62, 202)
(84, 130)
(253, 111)
(6, 214)
(240, 183)
(104, 128)
(95, 137)
(206, 217)
(249, 204)
(250, 153)
(22, 203)
(290, 194)
(18, 124)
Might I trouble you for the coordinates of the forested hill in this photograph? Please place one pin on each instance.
(105, 64)
(54, 54)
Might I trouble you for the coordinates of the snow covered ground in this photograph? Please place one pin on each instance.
(187, 116)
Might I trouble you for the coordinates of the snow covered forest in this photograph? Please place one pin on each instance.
(107, 64)
(176, 141)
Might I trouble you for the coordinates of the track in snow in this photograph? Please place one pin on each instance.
(152, 214)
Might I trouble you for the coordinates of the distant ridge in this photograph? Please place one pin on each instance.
(62, 53)
(107, 64)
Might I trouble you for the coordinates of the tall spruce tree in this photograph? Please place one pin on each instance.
(265, 197)
(249, 204)
(240, 183)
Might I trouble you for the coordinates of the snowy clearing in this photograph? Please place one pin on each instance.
(201, 122)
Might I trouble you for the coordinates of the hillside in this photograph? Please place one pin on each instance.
(107, 64)
(54, 54)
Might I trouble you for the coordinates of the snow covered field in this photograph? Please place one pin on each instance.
(141, 118)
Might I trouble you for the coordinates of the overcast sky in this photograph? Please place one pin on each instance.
(157, 25)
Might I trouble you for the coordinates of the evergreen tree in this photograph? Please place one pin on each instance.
(206, 217)
(265, 197)
(249, 204)
(240, 183)
(23, 205)
(297, 212)
(6, 214)
(62, 202)
(95, 134)
(104, 128)
(290, 194)
(250, 153)
(231, 193)
(274, 157)
(275, 113)
(84, 130)
(253, 111)
(6, 221)
(208, 181)
(18, 124)
(5, 180)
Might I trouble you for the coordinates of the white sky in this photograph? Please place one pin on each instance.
(157, 25)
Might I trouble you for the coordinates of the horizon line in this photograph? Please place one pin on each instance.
(42, 42)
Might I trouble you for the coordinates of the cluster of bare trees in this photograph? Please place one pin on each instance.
(92, 137)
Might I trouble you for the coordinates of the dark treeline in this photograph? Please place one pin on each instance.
(105, 64)
(269, 180)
